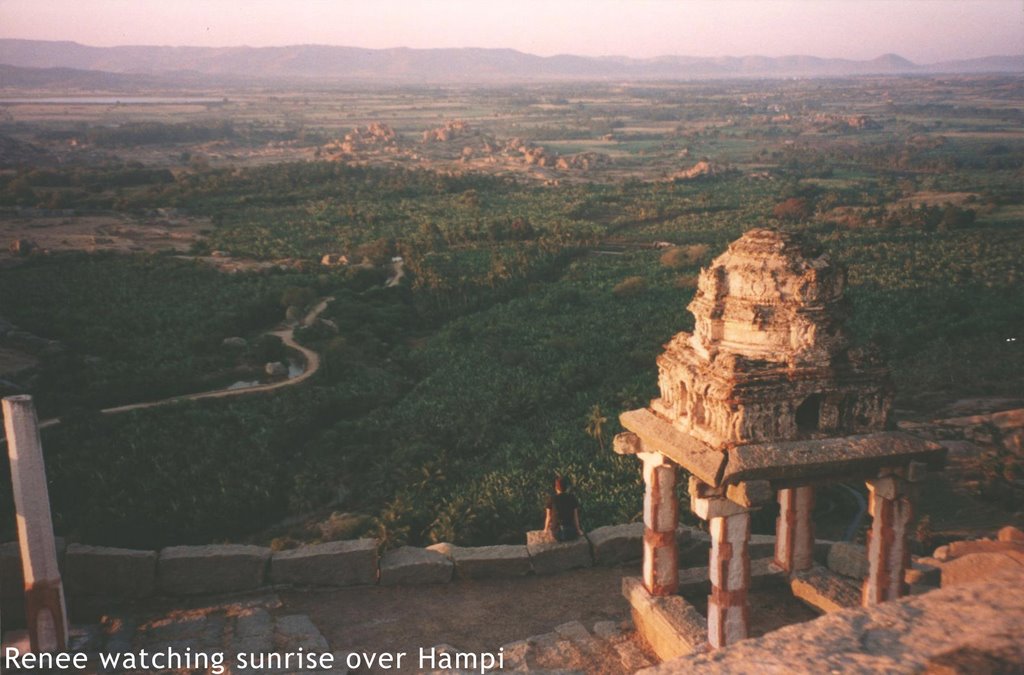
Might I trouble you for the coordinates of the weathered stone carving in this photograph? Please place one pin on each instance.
(768, 358)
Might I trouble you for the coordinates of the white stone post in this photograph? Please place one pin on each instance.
(661, 517)
(888, 553)
(794, 530)
(44, 594)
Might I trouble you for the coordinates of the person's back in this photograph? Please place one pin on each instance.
(563, 513)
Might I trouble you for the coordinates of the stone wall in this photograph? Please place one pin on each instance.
(100, 571)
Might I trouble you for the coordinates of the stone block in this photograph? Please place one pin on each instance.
(335, 563)
(411, 565)
(483, 562)
(549, 556)
(1011, 533)
(614, 544)
(190, 570)
(849, 560)
(707, 508)
(114, 572)
(669, 625)
(751, 493)
(958, 549)
(974, 567)
(824, 590)
(627, 443)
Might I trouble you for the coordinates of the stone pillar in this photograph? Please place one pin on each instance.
(661, 517)
(794, 530)
(44, 594)
(887, 550)
(729, 571)
(729, 566)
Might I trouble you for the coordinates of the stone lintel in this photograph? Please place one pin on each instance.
(658, 435)
(849, 455)
(670, 625)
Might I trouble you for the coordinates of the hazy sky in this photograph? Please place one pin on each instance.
(921, 30)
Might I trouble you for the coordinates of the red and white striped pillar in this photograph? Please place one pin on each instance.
(729, 564)
(729, 570)
(794, 530)
(661, 517)
(888, 553)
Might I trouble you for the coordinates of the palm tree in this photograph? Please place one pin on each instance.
(595, 425)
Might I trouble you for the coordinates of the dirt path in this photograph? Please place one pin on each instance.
(287, 336)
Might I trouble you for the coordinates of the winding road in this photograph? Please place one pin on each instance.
(287, 335)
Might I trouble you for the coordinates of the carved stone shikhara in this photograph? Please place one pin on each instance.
(767, 397)
(768, 359)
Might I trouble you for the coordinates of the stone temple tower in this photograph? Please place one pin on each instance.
(768, 359)
(765, 401)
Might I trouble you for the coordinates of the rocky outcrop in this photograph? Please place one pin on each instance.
(446, 132)
(933, 632)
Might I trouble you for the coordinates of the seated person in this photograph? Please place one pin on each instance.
(562, 515)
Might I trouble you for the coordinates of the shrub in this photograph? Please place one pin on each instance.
(630, 286)
(683, 256)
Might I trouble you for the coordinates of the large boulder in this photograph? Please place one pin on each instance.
(411, 565)
(336, 563)
(485, 562)
(549, 556)
(189, 570)
(613, 544)
(114, 572)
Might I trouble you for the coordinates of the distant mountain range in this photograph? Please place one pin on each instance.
(320, 62)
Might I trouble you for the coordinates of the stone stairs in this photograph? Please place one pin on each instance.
(229, 627)
(253, 626)
(611, 648)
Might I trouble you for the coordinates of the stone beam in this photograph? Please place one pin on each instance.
(794, 530)
(802, 461)
(657, 434)
(44, 593)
